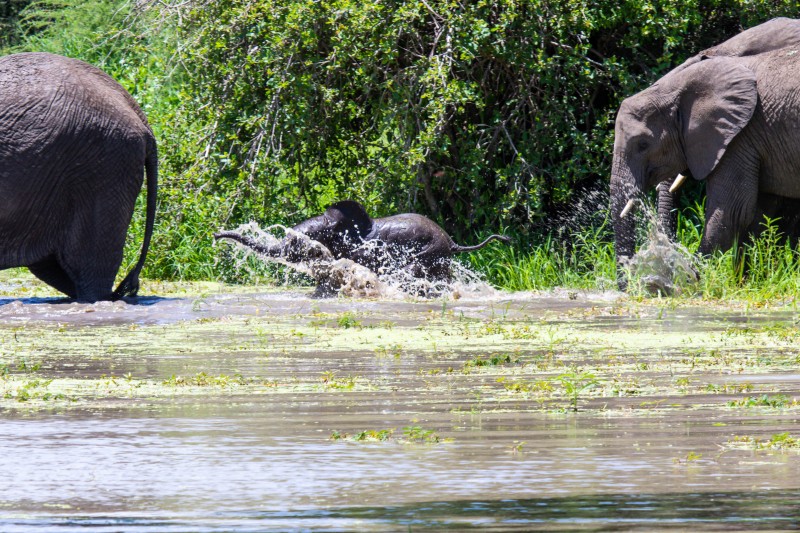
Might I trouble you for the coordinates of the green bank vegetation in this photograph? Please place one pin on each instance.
(485, 116)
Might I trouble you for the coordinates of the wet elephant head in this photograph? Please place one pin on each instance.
(341, 228)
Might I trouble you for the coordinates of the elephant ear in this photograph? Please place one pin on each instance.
(350, 217)
(717, 98)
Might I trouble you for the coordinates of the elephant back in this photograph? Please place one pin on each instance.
(63, 94)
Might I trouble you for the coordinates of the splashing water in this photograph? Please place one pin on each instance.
(660, 265)
(393, 279)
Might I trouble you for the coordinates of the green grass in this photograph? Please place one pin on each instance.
(764, 269)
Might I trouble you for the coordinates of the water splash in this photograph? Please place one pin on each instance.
(394, 273)
(660, 266)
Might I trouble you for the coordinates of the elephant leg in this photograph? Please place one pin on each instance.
(440, 270)
(93, 277)
(785, 212)
(667, 210)
(432, 270)
(731, 208)
(49, 271)
(93, 249)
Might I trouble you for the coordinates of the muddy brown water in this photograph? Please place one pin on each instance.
(264, 412)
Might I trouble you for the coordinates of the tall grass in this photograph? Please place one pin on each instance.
(584, 260)
(763, 268)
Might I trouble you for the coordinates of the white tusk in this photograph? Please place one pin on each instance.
(627, 208)
(679, 179)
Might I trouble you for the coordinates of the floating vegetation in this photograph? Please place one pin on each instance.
(513, 379)
(420, 435)
(201, 379)
(411, 435)
(331, 381)
(691, 457)
(491, 360)
(367, 435)
(348, 320)
(778, 401)
(778, 442)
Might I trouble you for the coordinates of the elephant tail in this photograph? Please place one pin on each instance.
(455, 248)
(130, 285)
(247, 241)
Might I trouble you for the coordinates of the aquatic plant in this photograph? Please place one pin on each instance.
(201, 379)
(394, 350)
(575, 382)
(777, 401)
(348, 320)
(420, 435)
(330, 381)
(778, 442)
(541, 386)
(367, 435)
(691, 457)
(490, 360)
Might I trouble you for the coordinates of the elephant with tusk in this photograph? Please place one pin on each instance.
(727, 116)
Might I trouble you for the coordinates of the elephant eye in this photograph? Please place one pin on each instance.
(642, 145)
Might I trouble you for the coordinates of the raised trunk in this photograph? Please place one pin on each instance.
(269, 251)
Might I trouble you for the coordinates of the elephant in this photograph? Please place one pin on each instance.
(74, 149)
(408, 241)
(728, 116)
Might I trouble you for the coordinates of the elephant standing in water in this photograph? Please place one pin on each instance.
(729, 116)
(74, 147)
(407, 241)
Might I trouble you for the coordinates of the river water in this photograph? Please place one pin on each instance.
(272, 411)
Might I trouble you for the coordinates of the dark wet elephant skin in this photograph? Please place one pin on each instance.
(406, 241)
(74, 150)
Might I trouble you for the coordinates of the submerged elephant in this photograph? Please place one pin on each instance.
(728, 116)
(407, 241)
(74, 147)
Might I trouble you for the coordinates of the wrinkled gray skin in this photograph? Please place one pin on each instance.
(74, 147)
(729, 116)
(408, 241)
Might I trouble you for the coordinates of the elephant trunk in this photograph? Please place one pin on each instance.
(623, 190)
(668, 198)
(269, 251)
(294, 248)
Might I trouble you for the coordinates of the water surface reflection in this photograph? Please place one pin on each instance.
(646, 449)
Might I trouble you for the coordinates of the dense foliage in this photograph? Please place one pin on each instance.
(486, 116)
(476, 113)
(9, 21)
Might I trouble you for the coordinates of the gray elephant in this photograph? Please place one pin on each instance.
(74, 147)
(727, 116)
(407, 241)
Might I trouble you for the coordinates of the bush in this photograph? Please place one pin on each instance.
(485, 116)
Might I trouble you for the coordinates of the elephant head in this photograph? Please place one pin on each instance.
(684, 123)
(341, 227)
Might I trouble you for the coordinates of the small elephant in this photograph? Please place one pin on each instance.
(727, 116)
(74, 148)
(407, 241)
